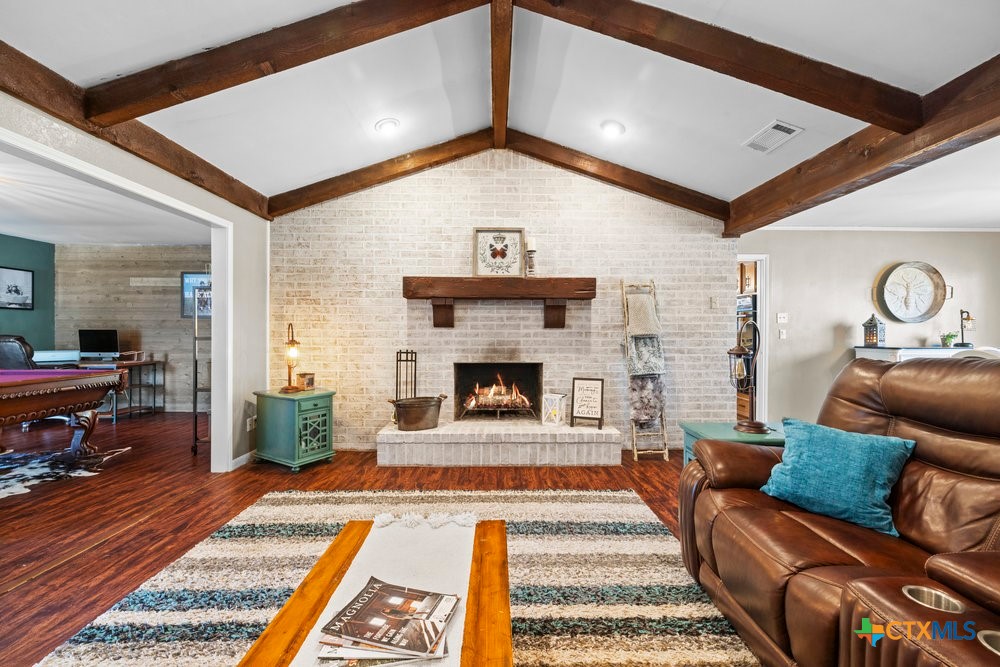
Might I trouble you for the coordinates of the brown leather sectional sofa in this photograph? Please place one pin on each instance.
(797, 585)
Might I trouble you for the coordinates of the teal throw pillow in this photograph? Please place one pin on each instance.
(839, 474)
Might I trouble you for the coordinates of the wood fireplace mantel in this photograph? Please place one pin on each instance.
(442, 291)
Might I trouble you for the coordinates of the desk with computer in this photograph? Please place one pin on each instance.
(99, 349)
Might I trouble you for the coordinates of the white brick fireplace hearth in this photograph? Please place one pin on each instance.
(503, 442)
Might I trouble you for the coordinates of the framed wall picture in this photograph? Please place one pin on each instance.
(588, 400)
(189, 304)
(497, 252)
(17, 288)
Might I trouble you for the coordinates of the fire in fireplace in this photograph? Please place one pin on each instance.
(498, 389)
(498, 397)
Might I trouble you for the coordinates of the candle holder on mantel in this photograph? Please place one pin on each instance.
(529, 256)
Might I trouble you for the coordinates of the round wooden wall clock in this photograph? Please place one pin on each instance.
(911, 291)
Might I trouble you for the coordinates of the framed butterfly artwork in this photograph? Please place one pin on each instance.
(497, 251)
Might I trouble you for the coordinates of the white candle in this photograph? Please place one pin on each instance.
(529, 244)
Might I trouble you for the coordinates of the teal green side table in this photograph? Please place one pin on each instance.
(694, 431)
(294, 429)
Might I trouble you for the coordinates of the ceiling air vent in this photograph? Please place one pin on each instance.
(771, 137)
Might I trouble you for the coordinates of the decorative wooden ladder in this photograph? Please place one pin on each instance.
(637, 434)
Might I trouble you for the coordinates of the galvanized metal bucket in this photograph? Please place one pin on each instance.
(419, 413)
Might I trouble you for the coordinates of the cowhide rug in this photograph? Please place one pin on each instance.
(19, 471)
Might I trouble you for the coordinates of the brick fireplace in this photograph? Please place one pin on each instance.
(498, 422)
(337, 271)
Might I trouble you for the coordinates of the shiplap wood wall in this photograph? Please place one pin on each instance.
(95, 290)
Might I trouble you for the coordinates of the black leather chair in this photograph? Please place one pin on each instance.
(16, 353)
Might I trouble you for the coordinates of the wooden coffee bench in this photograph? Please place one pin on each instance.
(486, 639)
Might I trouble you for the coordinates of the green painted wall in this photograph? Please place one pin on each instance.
(38, 326)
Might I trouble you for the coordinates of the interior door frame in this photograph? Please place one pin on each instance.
(221, 458)
(763, 322)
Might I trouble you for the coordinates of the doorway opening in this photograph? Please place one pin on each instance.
(752, 305)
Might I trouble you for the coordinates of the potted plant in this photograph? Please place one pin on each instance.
(948, 338)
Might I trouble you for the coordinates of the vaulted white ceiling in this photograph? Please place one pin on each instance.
(91, 42)
(42, 202)
(684, 124)
(318, 120)
(960, 191)
(914, 44)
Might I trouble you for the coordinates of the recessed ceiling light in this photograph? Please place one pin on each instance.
(612, 128)
(386, 125)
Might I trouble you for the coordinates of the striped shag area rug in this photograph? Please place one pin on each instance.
(596, 579)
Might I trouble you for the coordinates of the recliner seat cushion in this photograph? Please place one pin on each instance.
(758, 551)
(868, 547)
(713, 501)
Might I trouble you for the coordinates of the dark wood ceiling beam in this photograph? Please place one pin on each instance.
(623, 177)
(961, 113)
(261, 55)
(501, 29)
(738, 56)
(383, 172)
(35, 84)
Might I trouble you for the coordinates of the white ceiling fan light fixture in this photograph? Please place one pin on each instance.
(387, 126)
(612, 129)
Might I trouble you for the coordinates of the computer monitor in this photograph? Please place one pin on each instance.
(99, 343)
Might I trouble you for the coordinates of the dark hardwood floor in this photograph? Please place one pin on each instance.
(70, 549)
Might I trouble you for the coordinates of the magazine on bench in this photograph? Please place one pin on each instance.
(366, 662)
(393, 619)
(345, 656)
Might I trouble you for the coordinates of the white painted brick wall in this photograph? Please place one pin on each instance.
(337, 268)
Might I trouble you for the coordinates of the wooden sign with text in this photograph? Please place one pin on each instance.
(588, 400)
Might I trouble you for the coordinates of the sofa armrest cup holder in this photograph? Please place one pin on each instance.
(990, 639)
(934, 599)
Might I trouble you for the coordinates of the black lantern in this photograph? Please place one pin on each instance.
(874, 332)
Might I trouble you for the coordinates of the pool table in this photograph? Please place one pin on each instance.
(26, 395)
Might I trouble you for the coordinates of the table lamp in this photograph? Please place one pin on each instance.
(966, 323)
(292, 358)
(742, 362)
